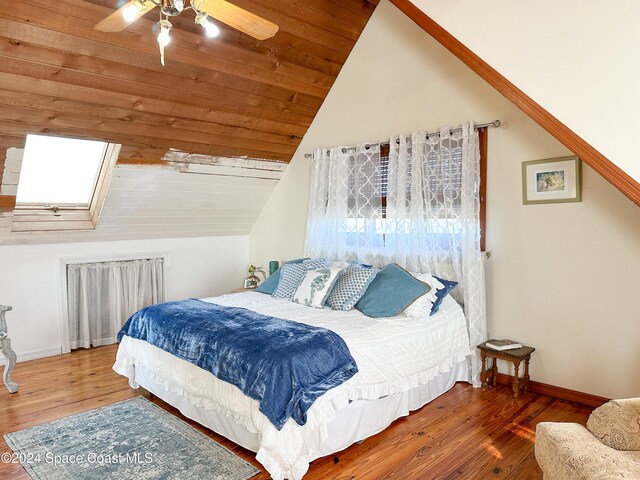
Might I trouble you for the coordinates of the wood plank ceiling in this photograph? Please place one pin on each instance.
(229, 96)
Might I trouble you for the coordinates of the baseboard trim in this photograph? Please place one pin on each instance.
(557, 392)
(34, 355)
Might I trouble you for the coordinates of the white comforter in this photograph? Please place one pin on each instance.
(393, 355)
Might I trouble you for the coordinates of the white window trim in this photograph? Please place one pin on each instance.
(39, 218)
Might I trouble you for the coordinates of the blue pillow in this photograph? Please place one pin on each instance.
(443, 292)
(391, 291)
(271, 283)
(365, 265)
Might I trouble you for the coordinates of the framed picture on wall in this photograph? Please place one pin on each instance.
(553, 180)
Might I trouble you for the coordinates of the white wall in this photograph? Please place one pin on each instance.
(30, 279)
(189, 196)
(579, 59)
(563, 277)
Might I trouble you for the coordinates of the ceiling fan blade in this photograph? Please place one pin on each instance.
(238, 18)
(116, 22)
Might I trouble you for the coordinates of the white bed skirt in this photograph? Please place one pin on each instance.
(353, 423)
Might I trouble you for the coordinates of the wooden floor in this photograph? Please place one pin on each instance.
(464, 434)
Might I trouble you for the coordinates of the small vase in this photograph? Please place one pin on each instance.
(273, 266)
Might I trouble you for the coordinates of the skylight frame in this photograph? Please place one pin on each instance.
(55, 206)
(36, 217)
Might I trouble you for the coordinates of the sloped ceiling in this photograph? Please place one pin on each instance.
(573, 60)
(182, 196)
(229, 96)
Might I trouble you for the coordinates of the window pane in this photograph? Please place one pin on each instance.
(59, 170)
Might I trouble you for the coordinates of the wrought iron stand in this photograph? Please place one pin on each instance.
(9, 354)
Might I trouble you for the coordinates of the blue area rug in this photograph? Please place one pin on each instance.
(133, 439)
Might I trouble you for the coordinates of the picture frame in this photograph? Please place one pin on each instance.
(551, 180)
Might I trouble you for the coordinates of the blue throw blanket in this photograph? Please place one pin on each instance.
(285, 365)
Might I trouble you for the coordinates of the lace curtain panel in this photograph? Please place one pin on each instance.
(102, 296)
(415, 203)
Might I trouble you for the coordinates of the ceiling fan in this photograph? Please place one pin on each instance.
(204, 10)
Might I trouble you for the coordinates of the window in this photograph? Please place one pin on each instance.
(59, 171)
(62, 183)
(368, 187)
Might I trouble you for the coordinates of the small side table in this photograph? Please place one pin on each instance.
(7, 351)
(515, 356)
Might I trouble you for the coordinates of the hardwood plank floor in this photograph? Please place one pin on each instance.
(464, 434)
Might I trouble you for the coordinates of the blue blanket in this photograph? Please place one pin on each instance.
(285, 365)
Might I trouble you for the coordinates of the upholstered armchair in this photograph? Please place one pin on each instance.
(608, 448)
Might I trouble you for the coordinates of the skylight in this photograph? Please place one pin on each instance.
(59, 171)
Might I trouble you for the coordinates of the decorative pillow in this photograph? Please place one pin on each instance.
(617, 424)
(271, 283)
(291, 276)
(421, 308)
(391, 292)
(441, 293)
(350, 285)
(430, 303)
(315, 286)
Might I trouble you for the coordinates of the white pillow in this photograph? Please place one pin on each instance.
(421, 308)
(316, 286)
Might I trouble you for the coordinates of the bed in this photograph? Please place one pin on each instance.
(403, 364)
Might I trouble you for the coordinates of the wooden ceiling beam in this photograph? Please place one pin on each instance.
(34, 44)
(284, 46)
(185, 46)
(7, 141)
(305, 13)
(166, 127)
(158, 122)
(21, 127)
(176, 97)
(232, 96)
(275, 11)
(358, 6)
(288, 47)
(131, 130)
(128, 151)
(347, 11)
(149, 62)
(596, 160)
(141, 104)
(7, 201)
(300, 27)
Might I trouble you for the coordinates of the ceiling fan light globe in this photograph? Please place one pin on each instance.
(211, 30)
(164, 38)
(131, 12)
(179, 5)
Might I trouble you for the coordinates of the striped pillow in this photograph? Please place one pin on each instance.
(292, 275)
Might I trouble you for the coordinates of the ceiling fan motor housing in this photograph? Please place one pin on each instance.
(170, 11)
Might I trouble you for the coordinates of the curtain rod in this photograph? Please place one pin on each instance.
(494, 124)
